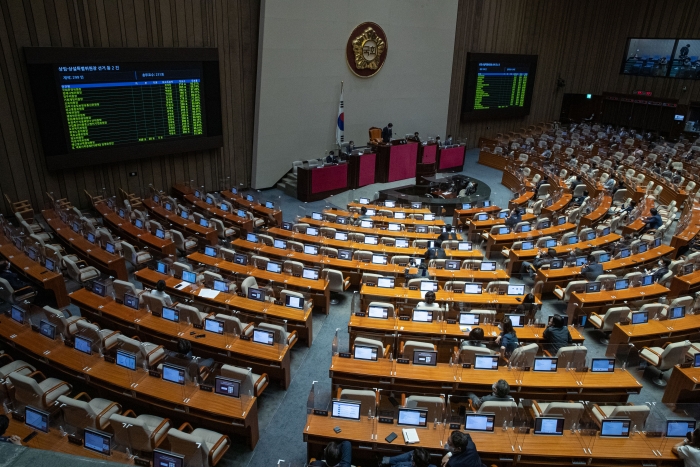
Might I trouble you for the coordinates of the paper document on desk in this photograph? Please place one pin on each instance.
(410, 436)
(465, 328)
(208, 293)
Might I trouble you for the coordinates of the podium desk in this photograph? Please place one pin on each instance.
(562, 385)
(189, 227)
(380, 232)
(427, 153)
(361, 170)
(395, 161)
(407, 209)
(35, 272)
(271, 215)
(600, 302)
(316, 183)
(318, 288)
(226, 349)
(297, 320)
(518, 256)
(136, 390)
(495, 243)
(451, 158)
(140, 237)
(368, 440)
(654, 333)
(683, 386)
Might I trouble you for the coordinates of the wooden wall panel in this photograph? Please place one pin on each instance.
(582, 41)
(232, 26)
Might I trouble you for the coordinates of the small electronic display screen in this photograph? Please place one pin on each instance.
(273, 267)
(423, 357)
(428, 286)
(488, 266)
(220, 286)
(174, 374)
(401, 243)
(82, 344)
(349, 410)
(365, 352)
(251, 237)
(132, 301)
(379, 259)
(163, 458)
(211, 251)
(545, 364)
(98, 288)
(377, 312)
(317, 216)
(227, 387)
(679, 428)
(161, 267)
(310, 273)
(485, 362)
(385, 282)
(622, 284)
(313, 231)
(472, 288)
(640, 317)
(518, 321)
(291, 301)
(160, 234)
(615, 428)
(281, 244)
(171, 314)
(413, 417)
(256, 294)
(214, 325)
(603, 365)
(483, 422)
(36, 419)
(549, 426)
(677, 312)
(464, 246)
(47, 329)
(516, 289)
(189, 276)
(240, 259)
(97, 441)
(17, 314)
(48, 264)
(423, 316)
(109, 247)
(262, 336)
(310, 249)
(468, 319)
(126, 360)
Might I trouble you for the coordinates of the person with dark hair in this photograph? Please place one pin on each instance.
(419, 457)
(578, 201)
(330, 158)
(422, 270)
(592, 269)
(476, 338)
(436, 252)
(540, 260)
(4, 425)
(544, 180)
(415, 137)
(335, 455)
(557, 335)
(428, 303)
(652, 222)
(689, 449)
(160, 292)
(575, 182)
(448, 140)
(514, 218)
(500, 391)
(363, 216)
(15, 281)
(387, 133)
(508, 340)
(661, 269)
(461, 451)
(448, 234)
(184, 356)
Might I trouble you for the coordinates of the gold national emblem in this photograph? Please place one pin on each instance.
(366, 50)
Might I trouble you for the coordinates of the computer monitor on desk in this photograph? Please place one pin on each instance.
(378, 312)
(349, 410)
(696, 363)
(468, 319)
(413, 417)
(615, 427)
(486, 362)
(385, 282)
(428, 286)
(162, 458)
(98, 441)
(36, 419)
(552, 426)
(423, 316)
(679, 428)
(227, 387)
(545, 364)
(676, 312)
(516, 290)
(518, 321)
(603, 365)
(480, 422)
(365, 352)
(472, 288)
(424, 357)
(640, 317)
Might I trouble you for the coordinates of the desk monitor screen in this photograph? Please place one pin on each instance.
(214, 325)
(48, 264)
(604, 258)
(184, 214)
(240, 258)
(549, 202)
(19, 243)
(287, 226)
(428, 217)
(273, 267)
(160, 234)
(643, 248)
(615, 427)
(622, 284)
(345, 255)
(317, 216)
(417, 205)
(209, 200)
(168, 207)
(234, 191)
(281, 244)
(468, 319)
(227, 387)
(385, 282)
(17, 314)
(98, 288)
(310, 249)
(31, 252)
(365, 352)
(371, 240)
(91, 237)
(624, 253)
(132, 301)
(171, 314)
(605, 232)
(394, 227)
(377, 312)
(47, 329)
(174, 374)
(425, 357)
(487, 204)
(251, 238)
(503, 215)
(379, 259)
(249, 198)
(97, 441)
(472, 288)
(549, 426)
(413, 417)
(364, 200)
(210, 251)
(464, 246)
(488, 266)
(371, 212)
(640, 317)
(399, 215)
(423, 316)
(428, 286)
(310, 273)
(527, 246)
(590, 236)
(516, 289)
(349, 410)
(203, 222)
(126, 360)
(76, 227)
(525, 228)
(466, 205)
(679, 428)
(83, 345)
(517, 320)
(483, 422)
(571, 240)
(482, 217)
(36, 419)
(313, 231)
(556, 264)
(503, 230)
(677, 312)
(109, 247)
(452, 265)
(421, 229)
(603, 365)
(341, 220)
(696, 363)
(291, 301)
(138, 223)
(197, 194)
(256, 294)
(688, 269)
(486, 362)
(342, 236)
(550, 243)
(657, 242)
(261, 336)
(161, 267)
(189, 276)
(561, 220)
(545, 364)
(390, 204)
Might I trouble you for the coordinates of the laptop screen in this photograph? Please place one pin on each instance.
(677, 312)
(210, 251)
(132, 301)
(516, 289)
(428, 286)
(365, 352)
(262, 336)
(485, 362)
(468, 319)
(310, 249)
(488, 265)
(97, 441)
(379, 259)
(174, 374)
(464, 246)
(313, 231)
(480, 422)
(679, 428)
(220, 286)
(517, 320)
(240, 258)
(472, 289)
(413, 417)
(82, 344)
(616, 428)
(549, 426)
(47, 329)
(273, 267)
(349, 410)
(603, 365)
(377, 312)
(214, 325)
(36, 419)
(291, 301)
(423, 357)
(545, 364)
(423, 316)
(227, 387)
(256, 294)
(126, 360)
(310, 273)
(385, 282)
(371, 240)
(98, 288)
(622, 284)
(171, 314)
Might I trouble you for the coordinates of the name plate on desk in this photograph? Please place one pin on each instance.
(156, 314)
(197, 326)
(142, 462)
(541, 325)
(35, 328)
(240, 294)
(18, 416)
(413, 287)
(686, 365)
(466, 365)
(296, 275)
(323, 413)
(403, 361)
(119, 301)
(77, 440)
(206, 388)
(370, 284)
(154, 373)
(526, 368)
(109, 359)
(245, 338)
(455, 426)
(277, 302)
(360, 314)
(405, 318)
(344, 355)
(451, 321)
(389, 420)
(68, 343)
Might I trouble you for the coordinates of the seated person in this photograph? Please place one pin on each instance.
(461, 451)
(420, 457)
(661, 269)
(578, 200)
(508, 339)
(429, 302)
(610, 184)
(185, 357)
(514, 217)
(556, 335)
(363, 216)
(624, 243)
(541, 182)
(15, 281)
(331, 159)
(415, 137)
(448, 140)
(689, 449)
(528, 305)
(435, 253)
(573, 181)
(335, 455)
(652, 222)
(501, 392)
(448, 234)
(540, 260)
(627, 208)
(476, 338)
(350, 147)
(422, 271)
(4, 425)
(160, 292)
(592, 269)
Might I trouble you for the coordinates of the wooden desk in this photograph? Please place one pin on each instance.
(140, 237)
(297, 320)
(654, 333)
(683, 386)
(685, 285)
(557, 206)
(407, 209)
(475, 228)
(461, 215)
(318, 289)
(646, 205)
(139, 391)
(367, 437)
(495, 243)
(204, 235)
(272, 216)
(373, 231)
(454, 380)
(386, 220)
(241, 224)
(691, 216)
(35, 272)
(597, 214)
(114, 265)
(521, 200)
(600, 302)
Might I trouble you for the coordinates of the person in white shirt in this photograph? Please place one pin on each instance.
(160, 292)
(689, 449)
(429, 302)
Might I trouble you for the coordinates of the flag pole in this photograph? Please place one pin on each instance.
(337, 140)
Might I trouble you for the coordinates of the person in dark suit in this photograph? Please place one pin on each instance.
(437, 141)
(387, 133)
(448, 141)
(420, 457)
(335, 455)
(350, 148)
(415, 137)
(500, 392)
(331, 159)
(461, 451)
(447, 234)
(556, 335)
(592, 269)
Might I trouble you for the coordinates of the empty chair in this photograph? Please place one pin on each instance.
(571, 287)
(145, 351)
(266, 240)
(222, 231)
(101, 338)
(420, 244)
(503, 410)
(434, 404)
(259, 262)
(337, 283)
(281, 334)
(201, 447)
(141, 434)
(80, 271)
(124, 287)
(190, 314)
(452, 286)
(388, 241)
(664, 358)
(247, 283)
(42, 394)
(368, 398)
(473, 264)
(410, 346)
(64, 325)
(233, 325)
(524, 355)
(570, 411)
(251, 384)
(9, 295)
(362, 256)
(324, 251)
(636, 413)
(607, 322)
(90, 413)
(497, 287)
(155, 303)
(293, 267)
(356, 237)
(571, 356)
(401, 260)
